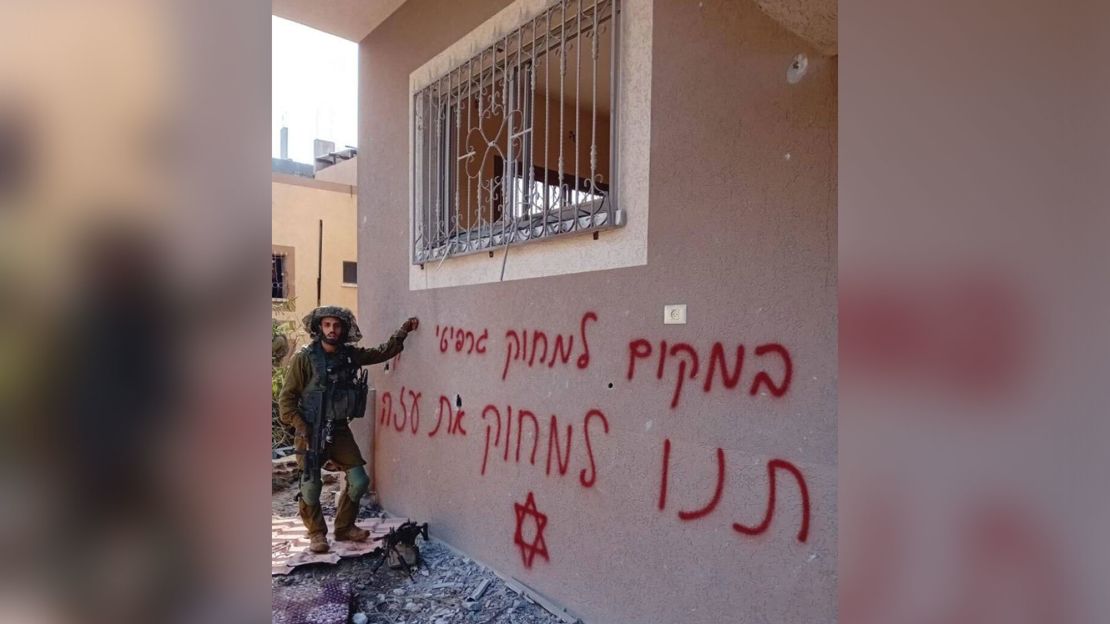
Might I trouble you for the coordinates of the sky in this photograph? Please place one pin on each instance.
(315, 88)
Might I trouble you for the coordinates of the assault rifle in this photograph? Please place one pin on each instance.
(320, 430)
(319, 437)
(403, 535)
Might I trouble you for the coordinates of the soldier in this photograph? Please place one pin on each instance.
(318, 384)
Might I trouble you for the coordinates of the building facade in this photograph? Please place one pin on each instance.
(312, 220)
(624, 398)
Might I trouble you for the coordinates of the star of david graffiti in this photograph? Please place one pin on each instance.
(538, 546)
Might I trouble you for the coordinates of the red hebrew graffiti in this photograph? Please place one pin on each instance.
(387, 409)
(460, 340)
(508, 433)
(666, 470)
(414, 417)
(512, 351)
(717, 358)
(531, 346)
(407, 417)
(780, 464)
(662, 359)
(537, 545)
(443, 402)
(535, 434)
(410, 410)
(497, 437)
(559, 443)
(584, 359)
(553, 441)
(719, 489)
(763, 378)
(400, 418)
(589, 449)
(772, 466)
(561, 353)
(693, 359)
(687, 359)
(456, 423)
(637, 350)
(536, 335)
(454, 418)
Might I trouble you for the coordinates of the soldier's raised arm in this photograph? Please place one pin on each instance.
(387, 350)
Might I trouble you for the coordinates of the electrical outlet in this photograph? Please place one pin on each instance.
(674, 314)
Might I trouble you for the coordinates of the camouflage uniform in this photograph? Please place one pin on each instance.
(301, 385)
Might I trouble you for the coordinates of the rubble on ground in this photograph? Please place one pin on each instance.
(439, 592)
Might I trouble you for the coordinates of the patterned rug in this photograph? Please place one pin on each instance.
(326, 603)
(289, 543)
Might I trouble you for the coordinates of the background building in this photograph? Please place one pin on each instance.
(313, 218)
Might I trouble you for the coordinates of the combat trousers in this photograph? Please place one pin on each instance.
(342, 454)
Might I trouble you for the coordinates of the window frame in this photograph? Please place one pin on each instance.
(288, 273)
(343, 279)
(437, 233)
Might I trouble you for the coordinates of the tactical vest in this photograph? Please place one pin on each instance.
(338, 387)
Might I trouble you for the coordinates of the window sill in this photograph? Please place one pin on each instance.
(518, 232)
(347, 285)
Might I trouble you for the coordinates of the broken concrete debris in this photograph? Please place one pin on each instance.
(476, 595)
(439, 590)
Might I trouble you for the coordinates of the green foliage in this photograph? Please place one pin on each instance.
(283, 342)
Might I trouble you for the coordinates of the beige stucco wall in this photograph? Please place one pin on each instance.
(742, 193)
(297, 206)
(342, 172)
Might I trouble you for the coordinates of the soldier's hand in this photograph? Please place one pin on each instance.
(410, 325)
(300, 429)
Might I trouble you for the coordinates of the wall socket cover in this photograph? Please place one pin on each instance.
(674, 314)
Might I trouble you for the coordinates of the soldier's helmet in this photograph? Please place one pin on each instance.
(312, 322)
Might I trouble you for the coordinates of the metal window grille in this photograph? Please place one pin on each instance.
(278, 288)
(518, 143)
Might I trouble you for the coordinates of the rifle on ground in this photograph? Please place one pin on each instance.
(404, 535)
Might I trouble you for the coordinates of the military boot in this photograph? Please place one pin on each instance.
(353, 534)
(318, 542)
(345, 529)
(346, 508)
(313, 518)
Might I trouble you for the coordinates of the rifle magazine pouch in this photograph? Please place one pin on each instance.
(364, 394)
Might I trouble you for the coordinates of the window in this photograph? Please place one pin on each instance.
(350, 273)
(281, 271)
(277, 269)
(513, 144)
